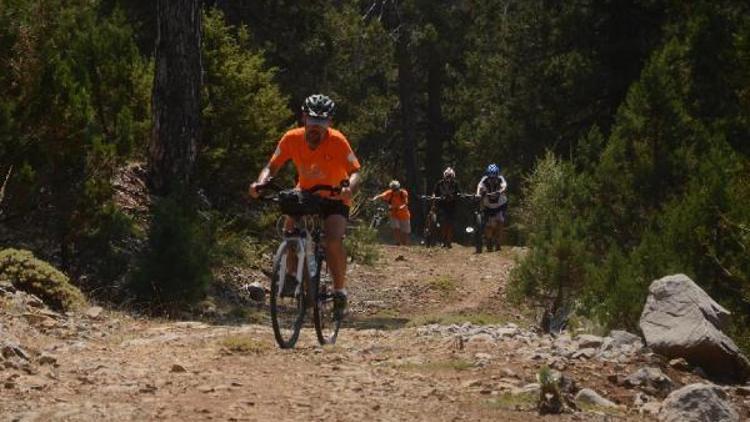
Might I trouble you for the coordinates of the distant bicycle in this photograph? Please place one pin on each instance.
(476, 229)
(309, 284)
(431, 221)
(379, 216)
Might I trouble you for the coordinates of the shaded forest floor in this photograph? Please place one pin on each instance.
(406, 354)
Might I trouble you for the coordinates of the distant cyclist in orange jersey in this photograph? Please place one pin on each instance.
(398, 201)
(322, 156)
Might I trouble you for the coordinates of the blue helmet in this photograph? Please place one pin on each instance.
(493, 170)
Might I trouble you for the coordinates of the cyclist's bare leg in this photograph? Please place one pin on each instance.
(407, 238)
(335, 228)
(495, 228)
(449, 232)
(396, 236)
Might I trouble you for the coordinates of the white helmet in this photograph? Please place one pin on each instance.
(449, 173)
(394, 184)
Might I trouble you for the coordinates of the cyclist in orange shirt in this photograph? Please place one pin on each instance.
(398, 199)
(322, 156)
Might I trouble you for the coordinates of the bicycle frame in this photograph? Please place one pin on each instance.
(299, 238)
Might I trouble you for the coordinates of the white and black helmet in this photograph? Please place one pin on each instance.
(449, 173)
(394, 184)
(319, 106)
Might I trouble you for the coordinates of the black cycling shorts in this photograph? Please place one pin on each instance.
(329, 207)
(491, 212)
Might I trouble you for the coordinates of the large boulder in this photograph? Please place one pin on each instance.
(681, 320)
(698, 403)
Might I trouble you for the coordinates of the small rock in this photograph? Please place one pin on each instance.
(558, 363)
(650, 408)
(481, 338)
(472, 383)
(206, 389)
(94, 312)
(148, 389)
(623, 338)
(47, 359)
(400, 258)
(534, 388)
(177, 368)
(11, 349)
(591, 397)
(589, 341)
(679, 364)
(34, 302)
(508, 372)
(587, 353)
(35, 382)
(640, 399)
(652, 380)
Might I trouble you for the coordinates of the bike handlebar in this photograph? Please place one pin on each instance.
(270, 185)
(440, 198)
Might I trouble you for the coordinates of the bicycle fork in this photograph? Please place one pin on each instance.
(293, 243)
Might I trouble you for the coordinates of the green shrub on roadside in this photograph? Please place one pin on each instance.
(37, 277)
(175, 267)
(361, 245)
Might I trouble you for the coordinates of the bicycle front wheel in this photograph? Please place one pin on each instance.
(287, 300)
(326, 324)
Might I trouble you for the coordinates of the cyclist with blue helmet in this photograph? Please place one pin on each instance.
(493, 204)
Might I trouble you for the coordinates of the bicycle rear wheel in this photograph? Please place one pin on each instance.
(287, 305)
(326, 325)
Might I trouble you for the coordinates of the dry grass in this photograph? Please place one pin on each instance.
(439, 365)
(477, 318)
(244, 345)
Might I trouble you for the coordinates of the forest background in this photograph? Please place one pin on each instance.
(622, 127)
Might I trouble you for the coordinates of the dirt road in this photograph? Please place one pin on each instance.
(407, 354)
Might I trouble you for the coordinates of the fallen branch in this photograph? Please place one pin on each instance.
(5, 183)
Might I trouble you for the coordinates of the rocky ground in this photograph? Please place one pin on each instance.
(431, 337)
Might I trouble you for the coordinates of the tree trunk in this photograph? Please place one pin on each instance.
(406, 85)
(176, 95)
(435, 124)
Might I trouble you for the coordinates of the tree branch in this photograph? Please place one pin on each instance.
(5, 183)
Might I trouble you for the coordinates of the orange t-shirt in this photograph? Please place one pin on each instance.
(396, 201)
(330, 163)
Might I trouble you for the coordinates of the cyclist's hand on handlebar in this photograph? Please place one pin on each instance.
(255, 187)
(253, 190)
(346, 193)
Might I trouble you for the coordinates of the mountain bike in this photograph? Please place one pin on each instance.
(309, 285)
(431, 221)
(378, 217)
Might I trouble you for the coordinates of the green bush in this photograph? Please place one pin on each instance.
(175, 267)
(552, 271)
(37, 277)
(75, 106)
(361, 245)
(244, 113)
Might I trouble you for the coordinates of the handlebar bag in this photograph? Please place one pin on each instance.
(294, 202)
